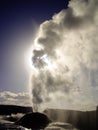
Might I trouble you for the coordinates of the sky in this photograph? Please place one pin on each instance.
(62, 38)
(19, 21)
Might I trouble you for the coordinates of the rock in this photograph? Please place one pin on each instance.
(34, 121)
(13, 109)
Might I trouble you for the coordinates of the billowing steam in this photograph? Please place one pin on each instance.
(65, 58)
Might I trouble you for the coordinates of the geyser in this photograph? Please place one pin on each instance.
(65, 58)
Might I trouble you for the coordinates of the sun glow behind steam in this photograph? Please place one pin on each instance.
(28, 59)
(49, 65)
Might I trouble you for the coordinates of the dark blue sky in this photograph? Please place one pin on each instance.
(18, 22)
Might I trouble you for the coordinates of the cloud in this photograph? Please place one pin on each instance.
(7, 97)
(65, 58)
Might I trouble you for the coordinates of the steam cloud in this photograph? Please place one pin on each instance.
(65, 58)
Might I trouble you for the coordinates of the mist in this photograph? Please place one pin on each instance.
(65, 61)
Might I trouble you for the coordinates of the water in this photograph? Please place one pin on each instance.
(52, 126)
(11, 126)
(8, 126)
(60, 126)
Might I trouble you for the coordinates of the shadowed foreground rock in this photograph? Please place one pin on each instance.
(35, 121)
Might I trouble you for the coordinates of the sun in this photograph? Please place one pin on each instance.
(49, 64)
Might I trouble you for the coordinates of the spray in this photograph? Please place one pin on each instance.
(65, 59)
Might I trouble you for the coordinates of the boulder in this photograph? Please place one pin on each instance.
(34, 121)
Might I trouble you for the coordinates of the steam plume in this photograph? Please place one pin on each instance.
(65, 59)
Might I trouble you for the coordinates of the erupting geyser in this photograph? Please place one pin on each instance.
(65, 58)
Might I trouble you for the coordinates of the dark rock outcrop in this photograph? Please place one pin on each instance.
(35, 121)
(9, 109)
(97, 118)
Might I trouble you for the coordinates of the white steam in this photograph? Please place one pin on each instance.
(65, 59)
